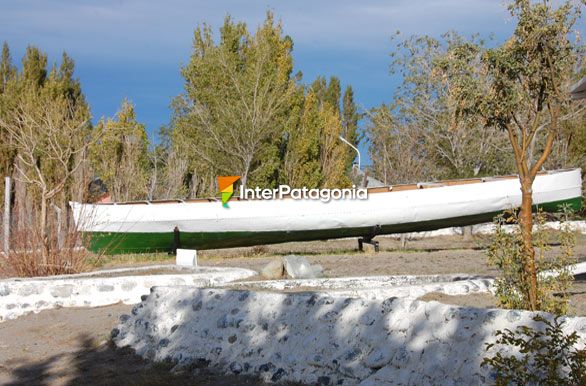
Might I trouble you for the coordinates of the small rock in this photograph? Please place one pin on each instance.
(351, 355)
(379, 357)
(235, 367)
(62, 291)
(298, 267)
(224, 322)
(278, 374)
(128, 285)
(41, 303)
(106, 288)
(248, 327)
(387, 305)
(164, 342)
(114, 333)
(232, 338)
(31, 289)
(196, 306)
(265, 367)
(273, 270)
(513, 316)
(243, 296)
(4, 290)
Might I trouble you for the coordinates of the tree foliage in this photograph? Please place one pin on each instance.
(45, 133)
(527, 97)
(237, 96)
(244, 113)
(428, 118)
(120, 158)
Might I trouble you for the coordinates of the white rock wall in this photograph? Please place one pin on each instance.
(378, 287)
(21, 296)
(317, 338)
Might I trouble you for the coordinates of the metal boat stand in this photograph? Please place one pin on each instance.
(368, 239)
(362, 241)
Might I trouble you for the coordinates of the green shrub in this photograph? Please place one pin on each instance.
(506, 254)
(546, 356)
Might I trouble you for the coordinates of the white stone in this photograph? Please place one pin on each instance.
(186, 258)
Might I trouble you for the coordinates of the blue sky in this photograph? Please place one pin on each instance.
(134, 49)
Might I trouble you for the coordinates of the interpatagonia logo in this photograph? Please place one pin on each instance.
(226, 185)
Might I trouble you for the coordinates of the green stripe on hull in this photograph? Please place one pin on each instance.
(116, 243)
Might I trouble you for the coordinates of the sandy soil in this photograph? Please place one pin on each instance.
(71, 346)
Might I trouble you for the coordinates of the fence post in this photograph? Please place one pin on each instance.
(7, 190)
(59, 233)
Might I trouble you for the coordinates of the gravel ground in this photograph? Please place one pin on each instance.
(70, 346)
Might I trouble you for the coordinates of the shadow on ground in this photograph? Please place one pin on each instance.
(93, 364)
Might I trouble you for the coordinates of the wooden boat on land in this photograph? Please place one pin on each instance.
(137, 227)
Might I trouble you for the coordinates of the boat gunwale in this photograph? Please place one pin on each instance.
(375, 190)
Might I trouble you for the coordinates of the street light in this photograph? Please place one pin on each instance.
(353, 147)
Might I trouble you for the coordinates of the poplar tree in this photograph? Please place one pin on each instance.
(350, 118)
(120, 158)
(236, 102)
(302, 165)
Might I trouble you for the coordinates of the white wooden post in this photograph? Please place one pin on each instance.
(6, 220)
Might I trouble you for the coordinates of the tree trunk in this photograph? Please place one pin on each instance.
(43, 230)
(244, 176)
(526, 224)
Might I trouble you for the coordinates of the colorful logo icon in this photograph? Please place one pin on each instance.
(226, 185)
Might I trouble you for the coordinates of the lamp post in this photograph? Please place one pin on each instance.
(353, 147)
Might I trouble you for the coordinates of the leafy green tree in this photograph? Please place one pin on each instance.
(8, 75)
(527, 99)
(47, 134)
(120, 158)
(32, 92)
(302, 163)
(327, 92)
(333, 152)
(7, 68)
(236, 102)
(350, 118)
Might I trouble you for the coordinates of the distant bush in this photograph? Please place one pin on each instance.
(546, 356)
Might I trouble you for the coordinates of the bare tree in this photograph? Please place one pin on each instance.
(49, 138)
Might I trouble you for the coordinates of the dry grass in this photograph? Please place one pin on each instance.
(31, 255)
